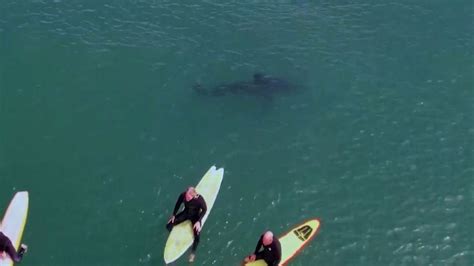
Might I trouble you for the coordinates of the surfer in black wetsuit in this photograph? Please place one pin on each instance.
(7, 246)
(268, 249)
(194, 209)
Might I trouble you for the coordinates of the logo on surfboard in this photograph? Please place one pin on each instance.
(304, 232)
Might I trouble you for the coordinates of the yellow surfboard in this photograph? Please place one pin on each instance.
(293, 241)
(182, 237)
(13, 222)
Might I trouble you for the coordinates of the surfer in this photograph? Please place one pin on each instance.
(7, 246)
(194, 209)
(268, 249)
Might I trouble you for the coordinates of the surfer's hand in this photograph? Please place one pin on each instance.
(197, 226)
(171, 220)
(250, 258)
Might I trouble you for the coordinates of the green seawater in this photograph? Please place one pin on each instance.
(99, 123)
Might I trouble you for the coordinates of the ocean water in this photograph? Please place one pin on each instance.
(99, 123)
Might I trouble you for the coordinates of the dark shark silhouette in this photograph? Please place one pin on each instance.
(261, 85)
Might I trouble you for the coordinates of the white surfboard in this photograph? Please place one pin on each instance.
(182, 237)
(14, 222)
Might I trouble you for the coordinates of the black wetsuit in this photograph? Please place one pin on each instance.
(271, 254)
(7, 246)
(194, 210)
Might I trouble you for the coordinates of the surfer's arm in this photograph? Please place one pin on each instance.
(259, 245)
(277, 252)
(178, 203)
(203, 208)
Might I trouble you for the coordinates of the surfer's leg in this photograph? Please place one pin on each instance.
(258, 256)
(169, 226)
(196, 240)
(10, 250)
(195, 244)
(196, 235)
(179, 218)
(261, 255)
(266, 256)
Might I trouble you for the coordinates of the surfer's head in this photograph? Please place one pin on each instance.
(267, 238)
(190, 193)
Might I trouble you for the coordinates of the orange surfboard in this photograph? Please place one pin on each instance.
(293, 241)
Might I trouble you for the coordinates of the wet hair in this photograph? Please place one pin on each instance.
(192, 190)
(268, 235)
